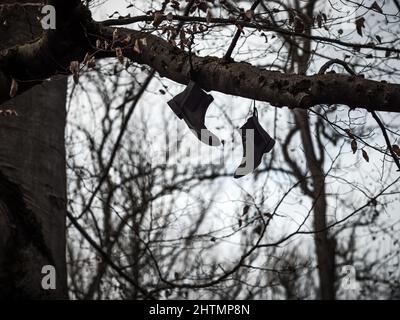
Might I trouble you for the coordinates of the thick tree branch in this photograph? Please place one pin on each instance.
(245, 80)
(51, 55)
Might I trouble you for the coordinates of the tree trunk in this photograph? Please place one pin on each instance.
(32, 177)
(324, 245)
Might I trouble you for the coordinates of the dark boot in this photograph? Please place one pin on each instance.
(256, 141)
(191, 105)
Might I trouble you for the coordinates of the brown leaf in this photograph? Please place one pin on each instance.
(349, 133)
(245, 210)
(86, 59)
(115, 34)
(360, 25)
(120, 55)
(396, 149)
(258, 230)
(268, 215)
(203, 6)
(354, 146)
(92, 63)
(158, 18)
(127, 40)
(209, 16)
(365, 155)
(182, 35)
(139, 44)
(249, 14)
(14, 88)
(375, 6)
(319, 20)
(74, 69)
(175, 5)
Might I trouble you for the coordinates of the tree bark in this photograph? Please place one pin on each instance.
(77, 34)
(32, 178)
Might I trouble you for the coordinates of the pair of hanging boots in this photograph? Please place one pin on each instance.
(191, 105)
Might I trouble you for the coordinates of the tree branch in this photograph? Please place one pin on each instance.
(389, 145)
(32, 63)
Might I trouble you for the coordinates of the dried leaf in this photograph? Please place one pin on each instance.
(365, 155)
(245, 210)
(127, 40)
(137, 48)
(158, 18)
(209, 16)
(249, 14)
(396, 149)
(360, 25)
(203, 6)
(349, 133)
(268, 215)
(354, 146)
(258, 230)
(375, 6)
(86, 59)
(120, 55)
(115, 34)
(175, 5)
(182, 35)
(14, 88)
(91, 63)
(319, 20)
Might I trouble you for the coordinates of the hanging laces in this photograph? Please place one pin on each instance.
(192, 72)
(255, 111)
